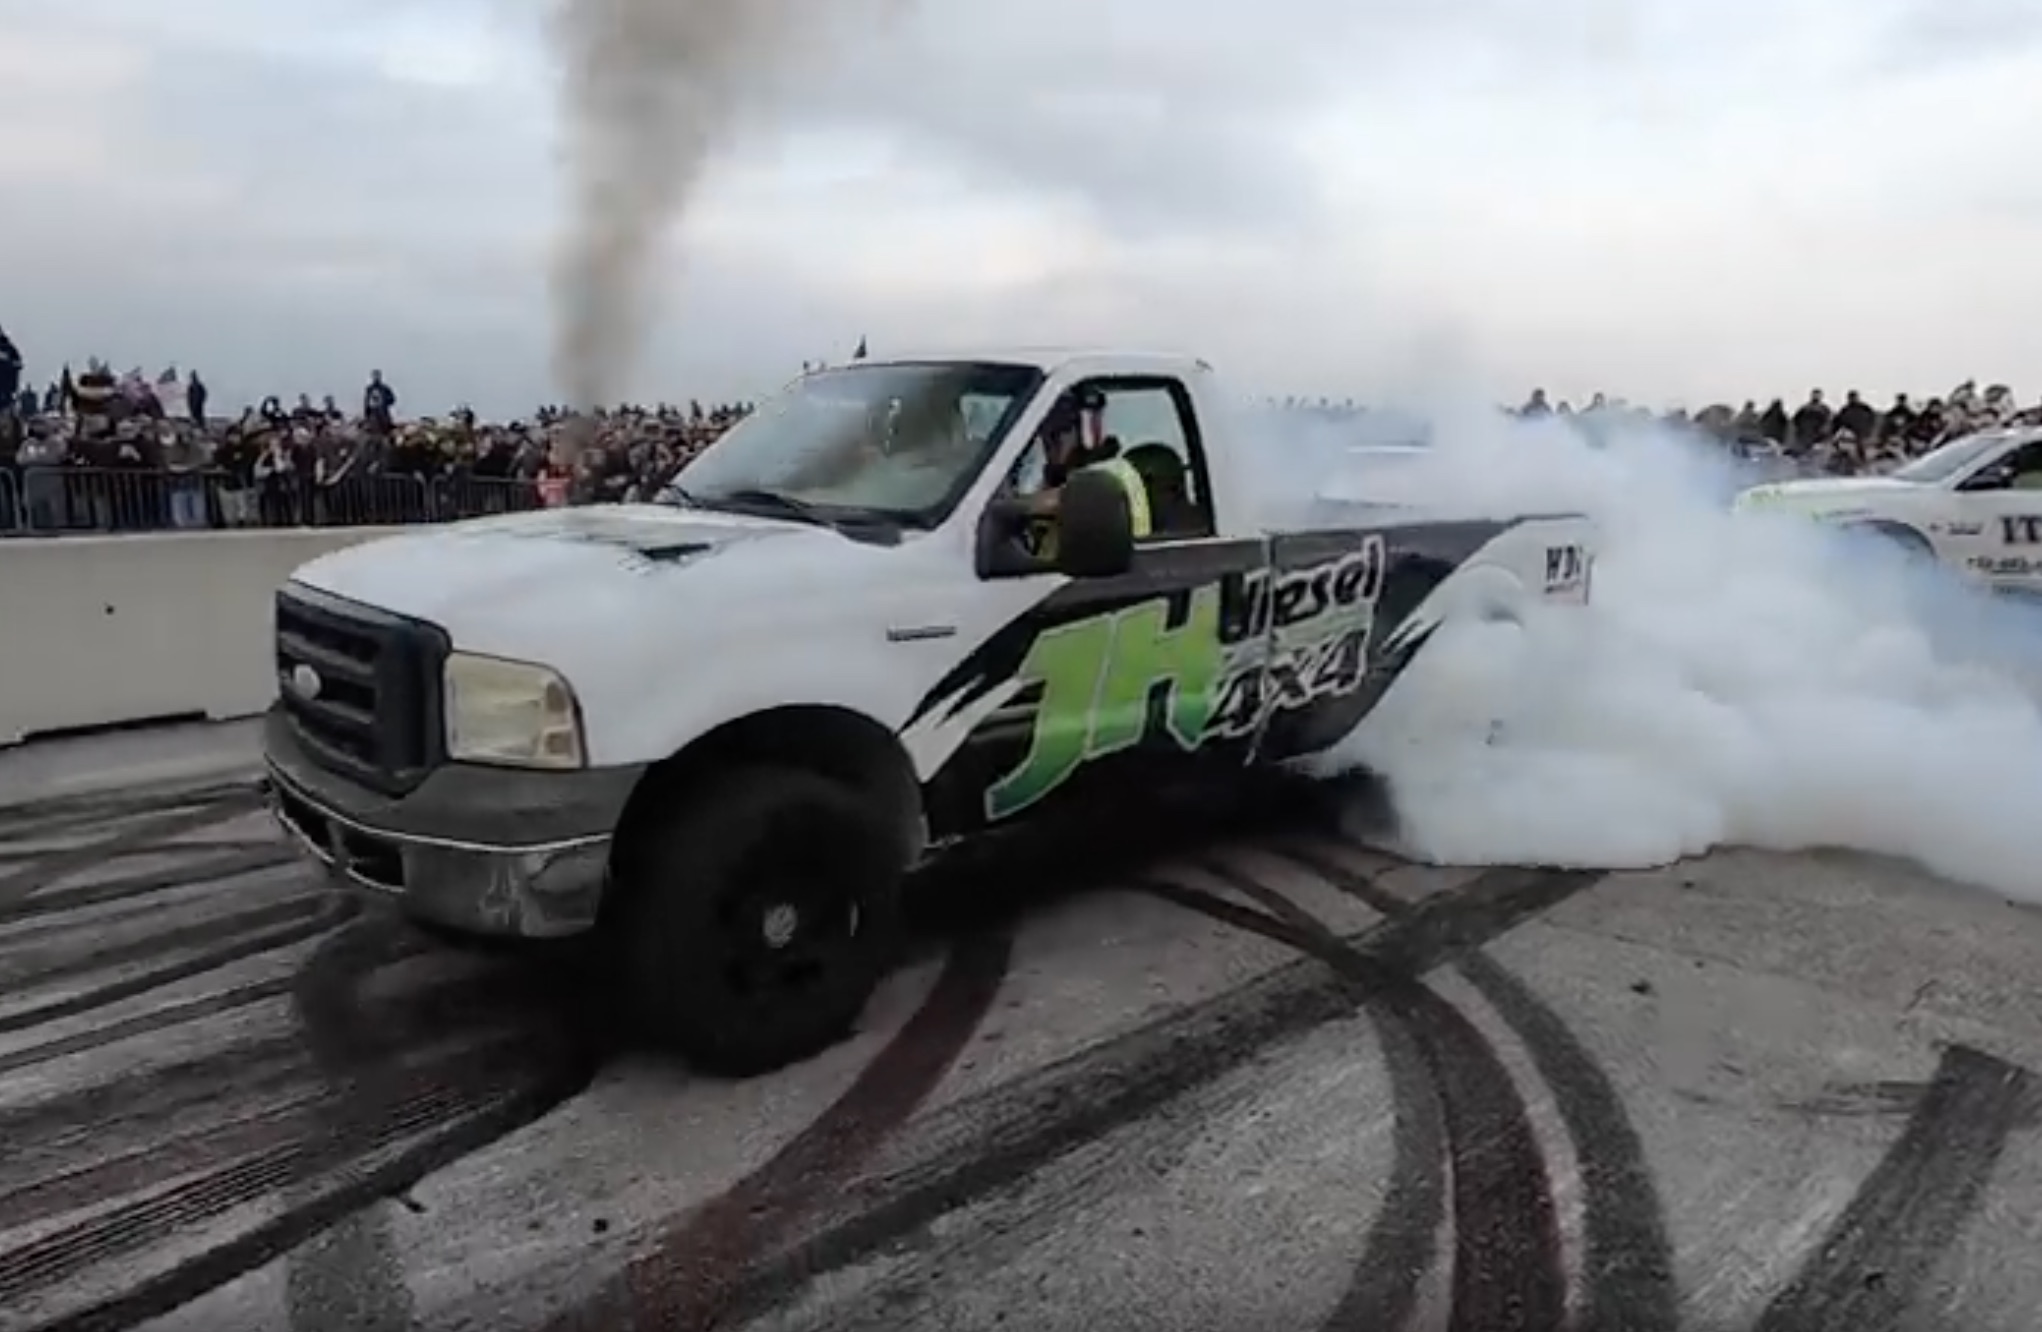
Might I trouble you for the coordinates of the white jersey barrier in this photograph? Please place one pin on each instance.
(102, 630)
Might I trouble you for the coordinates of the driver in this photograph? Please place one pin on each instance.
(1073, 438)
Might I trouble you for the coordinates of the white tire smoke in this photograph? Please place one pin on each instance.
(1739, 680)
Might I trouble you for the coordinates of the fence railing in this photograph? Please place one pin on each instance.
(53, 501)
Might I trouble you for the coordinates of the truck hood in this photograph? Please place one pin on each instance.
(1825, 490)
(470, 573)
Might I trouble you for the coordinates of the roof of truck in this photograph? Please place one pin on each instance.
(1050, 358)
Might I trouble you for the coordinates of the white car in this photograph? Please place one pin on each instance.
(718, 729)
(1968, 504)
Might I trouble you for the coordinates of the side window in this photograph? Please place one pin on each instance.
(2025, 461)
(1152, 420)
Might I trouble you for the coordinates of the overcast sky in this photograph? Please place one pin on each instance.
(1679, 200)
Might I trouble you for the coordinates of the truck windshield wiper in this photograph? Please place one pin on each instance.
(772, 500)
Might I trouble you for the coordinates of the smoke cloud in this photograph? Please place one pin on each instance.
(650, 90)
(1740, 679)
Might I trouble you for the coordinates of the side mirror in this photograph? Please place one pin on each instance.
(1095, 529)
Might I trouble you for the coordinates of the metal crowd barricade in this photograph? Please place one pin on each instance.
(61, 499)
(456, 497)
(54, 500)
(371, 500)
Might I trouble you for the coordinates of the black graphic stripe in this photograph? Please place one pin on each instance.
(982, 1143)
(1629, 1277)
(1507, 1271)
(1878, 1259)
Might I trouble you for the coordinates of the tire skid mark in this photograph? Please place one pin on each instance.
(336, 1135)
(26, 936)
(1877, 1261)
(416, 1105)
(1507, 1270)
(160, 1019)
(441, 1004)
(327, 914)
(20, 882)
(79, 1122)
(265, 1127)
(164, 1091)
(345, 1273)
(69, 963)
(353, 1271)
(923, 1268)
(438, 1124)
(1629, 1278)
(994, 1139)
(1403, 1239)
(226, 866)
(25, 819)
(691, 1278)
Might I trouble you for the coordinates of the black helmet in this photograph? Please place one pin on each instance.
(1068, 411)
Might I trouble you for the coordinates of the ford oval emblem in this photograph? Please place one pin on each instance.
(305, 681)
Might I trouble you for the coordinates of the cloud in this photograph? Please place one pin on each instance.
(1667, 200)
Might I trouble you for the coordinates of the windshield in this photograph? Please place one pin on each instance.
(900, 441)
(1952, 459)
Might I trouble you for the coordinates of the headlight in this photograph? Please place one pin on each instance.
(511, 713)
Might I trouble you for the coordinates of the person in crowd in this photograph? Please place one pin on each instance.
(10, 370)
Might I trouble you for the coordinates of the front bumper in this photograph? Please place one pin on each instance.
(494, 851)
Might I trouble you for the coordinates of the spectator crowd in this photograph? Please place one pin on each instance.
(104, 452)
(99, 452)
(1845, 439)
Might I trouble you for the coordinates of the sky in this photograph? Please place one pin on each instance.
(1671, 200)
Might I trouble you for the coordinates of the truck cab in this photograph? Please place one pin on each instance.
(718, 729)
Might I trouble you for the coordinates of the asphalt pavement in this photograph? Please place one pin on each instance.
(1251, 1075)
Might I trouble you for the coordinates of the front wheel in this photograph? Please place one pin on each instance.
(754, 919)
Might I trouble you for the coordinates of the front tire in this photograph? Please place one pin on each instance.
(755, 919)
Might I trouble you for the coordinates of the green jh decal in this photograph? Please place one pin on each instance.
(1097, 677)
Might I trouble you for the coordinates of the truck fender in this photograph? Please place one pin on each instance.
(847, 746)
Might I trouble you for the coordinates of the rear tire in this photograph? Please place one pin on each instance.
(755, 919)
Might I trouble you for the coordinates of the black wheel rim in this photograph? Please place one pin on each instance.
(787, 921)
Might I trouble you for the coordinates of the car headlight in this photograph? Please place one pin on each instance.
(511, 713)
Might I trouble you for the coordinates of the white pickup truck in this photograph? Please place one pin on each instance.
(1973, 504)
(720, 728)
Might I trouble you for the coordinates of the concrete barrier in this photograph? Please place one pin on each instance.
(103, 630)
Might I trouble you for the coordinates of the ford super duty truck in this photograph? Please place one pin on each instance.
(719, 729)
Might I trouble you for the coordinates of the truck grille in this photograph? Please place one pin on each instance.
(360, 687)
